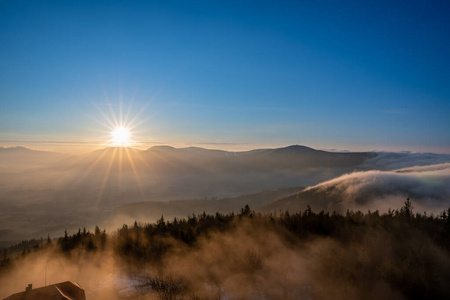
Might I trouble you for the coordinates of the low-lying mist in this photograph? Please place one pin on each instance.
(307, 255)
(44, 193)
(429, 186)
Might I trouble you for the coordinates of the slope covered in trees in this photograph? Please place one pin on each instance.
(396, 255)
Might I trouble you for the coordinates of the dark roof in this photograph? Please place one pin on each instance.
(61, 291)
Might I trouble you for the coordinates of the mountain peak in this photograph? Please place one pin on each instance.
(162, 147)
(298, 147)
(15, 148)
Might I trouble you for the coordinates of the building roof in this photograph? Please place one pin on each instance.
(61, 291)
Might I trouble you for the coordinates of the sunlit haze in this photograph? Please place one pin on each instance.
(204, 149)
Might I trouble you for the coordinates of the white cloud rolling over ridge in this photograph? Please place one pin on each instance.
(47, 193)
(44, 193)
(427, 186)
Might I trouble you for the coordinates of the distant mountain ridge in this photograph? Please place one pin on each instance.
(193, 159)
(167, 159)
(45, 192)
(25, 157)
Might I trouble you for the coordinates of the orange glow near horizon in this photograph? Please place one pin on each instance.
(120, 127)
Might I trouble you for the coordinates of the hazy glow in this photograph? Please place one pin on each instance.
(120, 137)
(119, 126)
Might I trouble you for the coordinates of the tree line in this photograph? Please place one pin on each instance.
(412, 269)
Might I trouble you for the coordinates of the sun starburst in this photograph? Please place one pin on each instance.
(120, 137)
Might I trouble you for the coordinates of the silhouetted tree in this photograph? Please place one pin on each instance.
(407, 209)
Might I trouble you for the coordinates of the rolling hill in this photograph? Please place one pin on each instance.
(149, 211)
(45, 192)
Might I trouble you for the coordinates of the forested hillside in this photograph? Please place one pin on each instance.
(306, 255)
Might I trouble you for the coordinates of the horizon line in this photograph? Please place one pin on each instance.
(94, 146)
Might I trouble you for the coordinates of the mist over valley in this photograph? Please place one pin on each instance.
(224, 150)
(44, 192)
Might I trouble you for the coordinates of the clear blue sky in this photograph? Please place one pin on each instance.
(355, 75)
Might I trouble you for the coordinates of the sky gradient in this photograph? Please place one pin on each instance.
(356, 75)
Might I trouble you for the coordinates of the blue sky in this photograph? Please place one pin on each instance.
(357, 75)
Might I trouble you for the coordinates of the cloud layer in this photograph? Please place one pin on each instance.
(427, 186)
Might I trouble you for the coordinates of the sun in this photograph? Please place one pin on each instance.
(120, 137)
(120, 127)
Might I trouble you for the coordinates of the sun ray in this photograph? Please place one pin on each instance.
(165, 159)
(144, 162)
(119, 163)
(105, 178)
(121, 111)
(133, 167)
(113, 115)
(120, 168)
(131, 123)
(91, 167)
(132, 127)
(110, 122)
(101, 123)
(127, 116)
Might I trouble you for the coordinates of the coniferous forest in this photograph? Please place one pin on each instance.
(399, 254)
(224, 150)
